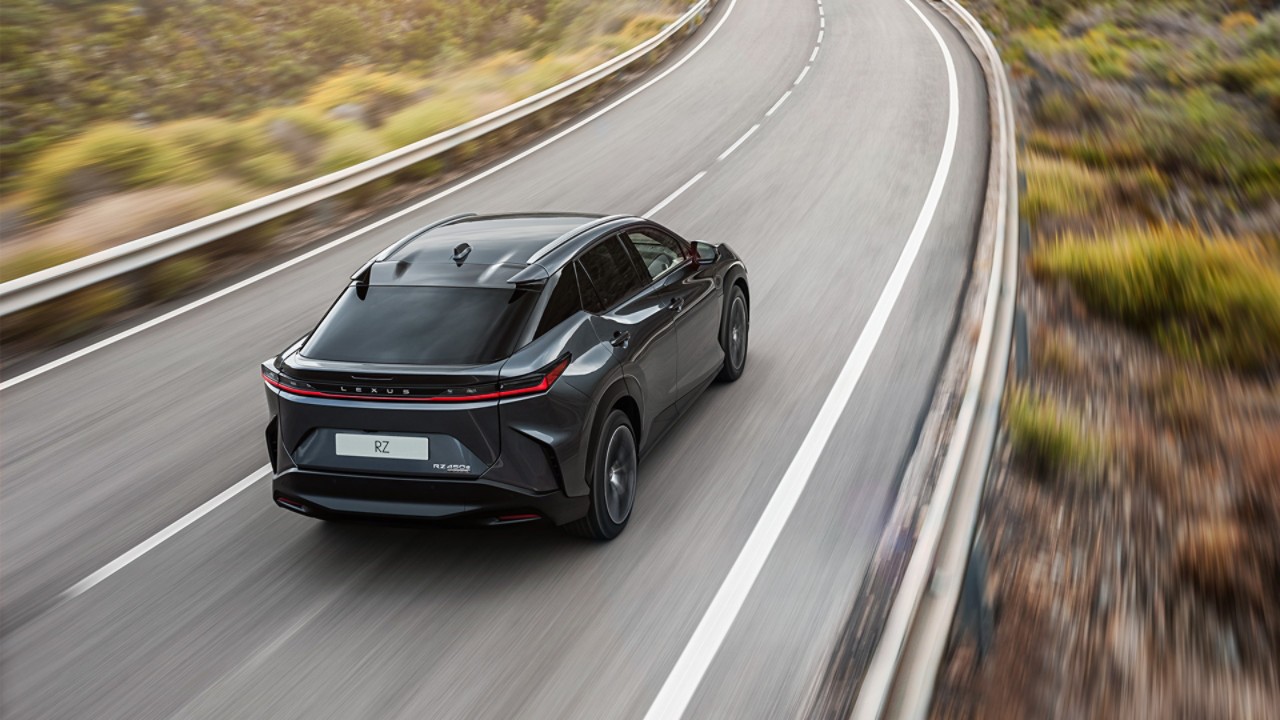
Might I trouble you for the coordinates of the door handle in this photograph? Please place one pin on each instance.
(676, 304)
(620, 339)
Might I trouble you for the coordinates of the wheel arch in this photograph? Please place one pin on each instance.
(617, 396)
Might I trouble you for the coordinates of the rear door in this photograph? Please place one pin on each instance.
(693, 299)
(634, 314)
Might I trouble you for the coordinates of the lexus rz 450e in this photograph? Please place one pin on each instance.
(504, 368)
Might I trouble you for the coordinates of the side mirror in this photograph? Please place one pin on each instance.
(707, 253)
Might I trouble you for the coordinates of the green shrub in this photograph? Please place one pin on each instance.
(109, 157)
(1056, 109)
(268, 170)
(1211, 299)
(378, 90)
(1060, 188)
(637, 30)
(1243, 75)
(1270, 92)
(1047, 437)
(1197, 131)
(425, 119)
(547, 72)
(349, 148)
(216, 142)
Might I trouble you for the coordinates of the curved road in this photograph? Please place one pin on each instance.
(250, 611)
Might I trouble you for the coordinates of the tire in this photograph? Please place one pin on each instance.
(733, 335)
(613, 481)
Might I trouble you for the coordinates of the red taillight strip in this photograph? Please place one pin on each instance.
(545, 384)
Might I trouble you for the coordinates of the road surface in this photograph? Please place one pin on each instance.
(806, 135)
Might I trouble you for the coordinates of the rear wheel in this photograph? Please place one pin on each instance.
(613, 481)
(733, 336)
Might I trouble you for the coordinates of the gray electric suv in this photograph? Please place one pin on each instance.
(503, 368)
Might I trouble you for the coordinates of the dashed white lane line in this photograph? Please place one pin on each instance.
(815, 53)
(820, 10)
(738, 142)
(803, 72)
(822, 22)
(820, 34)
(174, 528)
(778, 104)
(184, 309)
(681, 684)
(667, 200)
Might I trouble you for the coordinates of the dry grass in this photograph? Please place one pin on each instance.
(1207, 298)
(1061, 188)
(1050, 438)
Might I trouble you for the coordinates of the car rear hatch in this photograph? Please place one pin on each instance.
(371, 419)
(402, 379)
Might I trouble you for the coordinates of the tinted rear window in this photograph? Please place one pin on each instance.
(422, 325)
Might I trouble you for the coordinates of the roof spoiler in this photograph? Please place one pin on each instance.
(530, 275)
(362, 275)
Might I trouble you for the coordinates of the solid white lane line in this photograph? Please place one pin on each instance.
(667, 200)
(738, 142)
(778, 104)
(680, 685)
(803, 72)
(36, 372)
(174, 528)
(815, 53)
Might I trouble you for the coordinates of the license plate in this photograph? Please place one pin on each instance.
(391, 447)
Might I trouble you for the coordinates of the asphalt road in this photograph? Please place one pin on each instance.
(251, 611)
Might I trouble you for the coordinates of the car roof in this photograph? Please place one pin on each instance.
(487, 249)
(494, 239)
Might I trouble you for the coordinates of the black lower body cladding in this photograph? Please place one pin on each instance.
(329, 495)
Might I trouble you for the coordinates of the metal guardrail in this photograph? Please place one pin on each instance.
(900, 680)
(51, 283)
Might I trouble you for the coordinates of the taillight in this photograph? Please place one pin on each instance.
(540, 381)
(531, 384)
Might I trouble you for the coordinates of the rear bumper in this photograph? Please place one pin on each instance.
(336, 495)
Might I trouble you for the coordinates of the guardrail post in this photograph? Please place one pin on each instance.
(1022, 346)
(976, 615)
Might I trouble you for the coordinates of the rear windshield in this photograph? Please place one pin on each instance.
(422, 325)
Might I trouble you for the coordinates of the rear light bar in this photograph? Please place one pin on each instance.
(531, 384)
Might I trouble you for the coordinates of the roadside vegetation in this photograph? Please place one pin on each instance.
(106, 103)
(1134, 531)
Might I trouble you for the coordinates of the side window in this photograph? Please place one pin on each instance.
(658, 253)
(590, 298)
(563, 303)
(611, 273)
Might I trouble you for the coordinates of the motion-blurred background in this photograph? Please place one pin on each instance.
(1133, 533)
